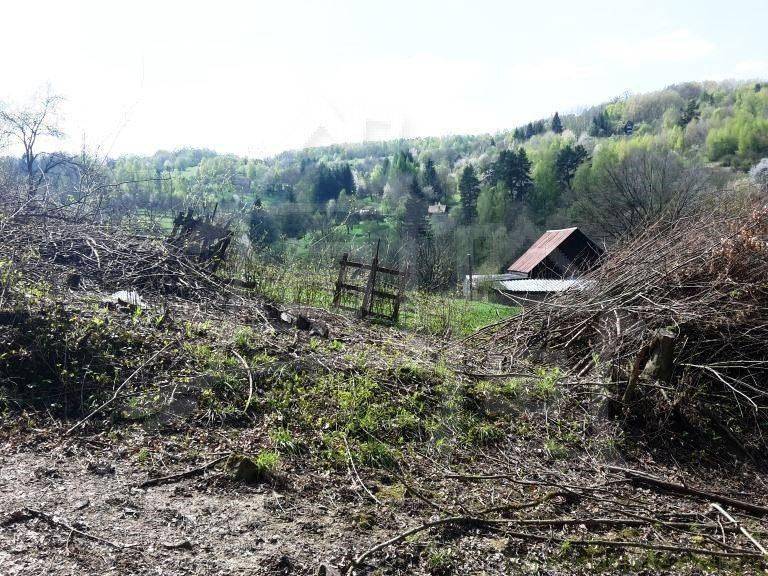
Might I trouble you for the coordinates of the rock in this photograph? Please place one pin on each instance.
(320, 328)
(101, 468)
(287, 318)
(303, 323)
(244, 468)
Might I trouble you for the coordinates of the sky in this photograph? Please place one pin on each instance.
(255, 78)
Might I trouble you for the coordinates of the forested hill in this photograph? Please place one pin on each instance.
(606, 169)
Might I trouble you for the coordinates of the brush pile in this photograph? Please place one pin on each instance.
(97, 258)
(678, 318)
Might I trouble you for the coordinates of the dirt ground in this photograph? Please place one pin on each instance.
(97, 520)
(190, 527)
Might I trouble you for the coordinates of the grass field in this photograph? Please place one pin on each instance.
(423, 312)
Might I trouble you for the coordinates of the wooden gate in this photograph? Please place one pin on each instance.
(377, 294)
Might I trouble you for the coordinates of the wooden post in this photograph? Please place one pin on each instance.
(400, 290)
(365, 309)
(340, 280)
(661, 364)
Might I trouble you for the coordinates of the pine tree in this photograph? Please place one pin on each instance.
(521, 183)
(415, 224)
(689, 113)
(529, 130)
(601, 125)
(567, 162)
(557, 125)
(469, 188)
(432, 180)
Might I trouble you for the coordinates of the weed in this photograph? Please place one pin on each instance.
(545, 386)
(258, 469)
(440, 561)
(555, 449)
(284, 442)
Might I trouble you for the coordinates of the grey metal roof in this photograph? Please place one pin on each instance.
(542, 285)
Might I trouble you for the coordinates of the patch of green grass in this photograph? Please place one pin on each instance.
(285, 442)
(436, 314)
(545, 386)
(253, 469)
(555, 449)
(439, 561)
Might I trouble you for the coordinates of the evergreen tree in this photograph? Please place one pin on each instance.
(601, 125)
(567, 162)
(557, 125)
(469, 188)
(689, 113)
(513, 171)
(529, 130)
(521, 183)
(519, 133)
(415, 224)
(432, 180)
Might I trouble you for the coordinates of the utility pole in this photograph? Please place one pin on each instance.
(469, 265)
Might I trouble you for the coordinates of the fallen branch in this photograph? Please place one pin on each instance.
(250, 380)
(741, 528)
(647, 479)
(182, 475)
(117, 391)
(357, 476)
(737, 553)
(27, 513)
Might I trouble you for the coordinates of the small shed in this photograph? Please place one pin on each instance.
(558, 254)
(523, 291)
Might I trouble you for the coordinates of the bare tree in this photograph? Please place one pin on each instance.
(624, 195)
(27, 126)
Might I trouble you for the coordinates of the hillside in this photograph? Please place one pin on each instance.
(201, 429)
(179, 395)
(579, 169)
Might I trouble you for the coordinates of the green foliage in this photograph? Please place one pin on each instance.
(557, 124)
(469, 188)
(742, 138)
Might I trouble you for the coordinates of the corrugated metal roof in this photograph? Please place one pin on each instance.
(543, 285)
(540, 249)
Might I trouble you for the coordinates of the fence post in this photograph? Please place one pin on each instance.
(365, 309)
(400, 290)
(340, 280)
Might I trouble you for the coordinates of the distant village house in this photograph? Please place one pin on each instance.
(554, 263)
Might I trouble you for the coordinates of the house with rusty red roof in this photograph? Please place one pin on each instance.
(557, 255)
(554, 263)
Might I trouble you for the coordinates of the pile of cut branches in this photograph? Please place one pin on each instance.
(93, 257)
(678, 317)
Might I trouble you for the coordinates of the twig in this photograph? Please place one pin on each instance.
(357, 476)
(117, 391)
(741, 528)
(649, 480)
(27, 513)
(182, 475)
(250, 380)
(543, 538)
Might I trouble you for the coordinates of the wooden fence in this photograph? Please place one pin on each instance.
(377, 294)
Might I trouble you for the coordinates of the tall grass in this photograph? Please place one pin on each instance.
(312, 284)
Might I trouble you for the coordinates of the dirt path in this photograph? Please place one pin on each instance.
(191, 527)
